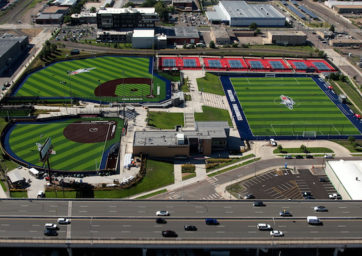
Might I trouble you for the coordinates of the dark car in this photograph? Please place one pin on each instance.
(288, 157)
(285, 213)
(258, 203)
(249, 196)
(211, 221)
(299, 157)
(309, 156)
(50, 232)
(161, 221)
(190, 228)
(323, 180)
(169, 233)
(306, 194)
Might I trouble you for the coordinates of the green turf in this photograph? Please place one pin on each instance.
(19, 194)
(313, 110)
(70, 155)
(211, 84)
(165, 120)
(133, 90)
(299, 150)
(54, 81)
(213, 114)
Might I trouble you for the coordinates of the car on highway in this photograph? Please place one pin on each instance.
(162, 213)
(190, 228)
(50, 232)
(285, 213)
(258, 203)
(320, 208)
(161, 221)
(211, 221)
(63, 221)
(169, 233)
(328, 156)
(263, 226)
(51, 226)
(276, 233)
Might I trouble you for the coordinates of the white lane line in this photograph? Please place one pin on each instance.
(229, 212)
(83, 211)
(227, 207)
(251, 226)
(5, 225)
(125, 231)
(141, 206)
(126, 226)
(35, 225)
(220, 232)
(24, 205)
(112, 206)
(282, 226)
(345, 231)
(341, 226)
(95, 225)
(33, 231)
(51, 211)
(200, 211)
(94, 231)
(83, 206)
(69, 227)
(346, 212)
(259, 212)
(54, 206)
(112, 211)
(140, 211)
(342, 207)
(251, 232)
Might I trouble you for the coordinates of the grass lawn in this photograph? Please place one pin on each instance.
(224, 163)
(313, 111)
(2, 183)
(349, 146)
(158, 174)
(165, 120)
(172, 76)
(153, 194)
(298, 150)
(61, 194)
(70, 155)
(6, 164)
(57, 80)
(19, 194)
(351, 94)
(213, 114)
(233, 167)
(211, 84)
(188, 176)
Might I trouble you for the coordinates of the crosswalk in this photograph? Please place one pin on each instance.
(214, 196)
(212, 180)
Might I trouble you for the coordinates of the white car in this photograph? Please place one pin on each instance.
(162, 213)
(263, 226)
(334, 196)
(63, 221)
(276, 233)
(51, 226)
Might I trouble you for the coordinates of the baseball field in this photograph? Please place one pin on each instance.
(289, 106)
(78, 144)
(101, 78)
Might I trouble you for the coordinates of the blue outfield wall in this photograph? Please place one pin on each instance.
(244, 128)
(23, 79)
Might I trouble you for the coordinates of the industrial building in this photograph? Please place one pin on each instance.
(219, 35)
(286, 37)
(84, 18)
(64, 2)
(354, 7)
(143, 38)
(346, 43)
(240, 13)
(116, 18)
(49, 18)
(55, 9)
(208, 137)
(183, 4)
(182, 35)
(112, 36)
(11, 49)
(346, 177)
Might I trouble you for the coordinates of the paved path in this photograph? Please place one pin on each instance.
(216, 101)
(177, 172)
(2, 193)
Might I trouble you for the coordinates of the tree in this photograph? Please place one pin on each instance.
(280, 148)
(162, 11)
(332, 28)
(129, 4)
(212, 44)
(253, 26)
(351, 139)
(303, 148)
(257, 31)
(93, 10)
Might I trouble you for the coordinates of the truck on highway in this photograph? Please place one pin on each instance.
(313, 220)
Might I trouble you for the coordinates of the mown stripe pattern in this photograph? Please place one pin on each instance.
(313, 110)
(70, 155)
(54, 81)
(129, 90)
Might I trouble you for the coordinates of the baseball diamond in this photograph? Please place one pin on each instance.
(90, 132)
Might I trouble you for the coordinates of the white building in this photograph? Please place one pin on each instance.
(240, 13)
(143, 38)
(331, 4)
(346, 177)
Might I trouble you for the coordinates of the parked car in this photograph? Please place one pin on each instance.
(211, 221)
(323, 180)
(288, 157)
(169, 233)
(309, 156)
(299, 157)
(63, 221)
(328, 156)
(258, 203)
(190, 228)
(249, 196)
(162, 213)
(276, 233)
(320, 208)
(161, 221)
(263, 226)
(285, 213)
(306, 193)
(334, 196)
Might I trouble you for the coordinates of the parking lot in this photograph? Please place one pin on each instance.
(286, 184)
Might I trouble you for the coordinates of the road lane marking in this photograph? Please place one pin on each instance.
(342, 207)
(345, 231)
(314, 232)
(94, 231)
(52, 211)
(69, 227)
(126, 226)
(229, 212)
(5, 225)
(282, 226)
(227, 207)
(83, 211)
(112, 211)
(220, 232)
(36, 225)
(141, 206)
(33, 231)
(125, 231)
(141, 212)
(112, 205)
(346, 212)
(251, 232)
(341, 226)
(251, 226)
(259, 212)
(83, 206)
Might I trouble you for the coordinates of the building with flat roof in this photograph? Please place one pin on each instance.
(182, 35)
(355, 9)
(65, 2)
(346, 177)
(116, 18)
(240, 13)
(287, 37)
(331, 3)
(11, 49)
(56, 18)
(208, 137)
(344, 42)
(112, 36)
(219, 35)
(182, 4)
(143, 38)
(84, 18)
(55, 9)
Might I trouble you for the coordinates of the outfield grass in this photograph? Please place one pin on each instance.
(349, 146)
(70, 155)
(158, 174)
(211, 84)
(18, 194)
(213, 114)
(165, 120)
(189, 176)
(8, 165)
(133, 90)
(298, 150)
(260, 99)
(56, 81)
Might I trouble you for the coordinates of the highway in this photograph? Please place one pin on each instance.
(22, 221)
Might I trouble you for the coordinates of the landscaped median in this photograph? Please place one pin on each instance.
(217, 163)
(302, 150)
(188, 171)
(234, 167)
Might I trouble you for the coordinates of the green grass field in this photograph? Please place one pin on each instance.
(165, 120)
(213, 114)
(70, 155)
(313, 110)
(129, 90)
(54, 81)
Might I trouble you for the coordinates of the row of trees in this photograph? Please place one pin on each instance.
(48, 49)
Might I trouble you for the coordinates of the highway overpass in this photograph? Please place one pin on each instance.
(131, 224)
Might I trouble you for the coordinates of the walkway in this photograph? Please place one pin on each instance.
(215, 101)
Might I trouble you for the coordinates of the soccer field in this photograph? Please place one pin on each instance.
(292, 106)
(69, 154)
(80, 78)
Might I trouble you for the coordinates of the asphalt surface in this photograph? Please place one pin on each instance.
(136, 219)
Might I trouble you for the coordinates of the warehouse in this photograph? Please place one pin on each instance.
(56, 18)
(116, 18)
(345, 43)
(240, 13)
(84, 18)
(346, 177)
(182, 4)
(286, 37)
(11, 49)
(143, 38)
(345, 6)
(219, 35)
(182, 35)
